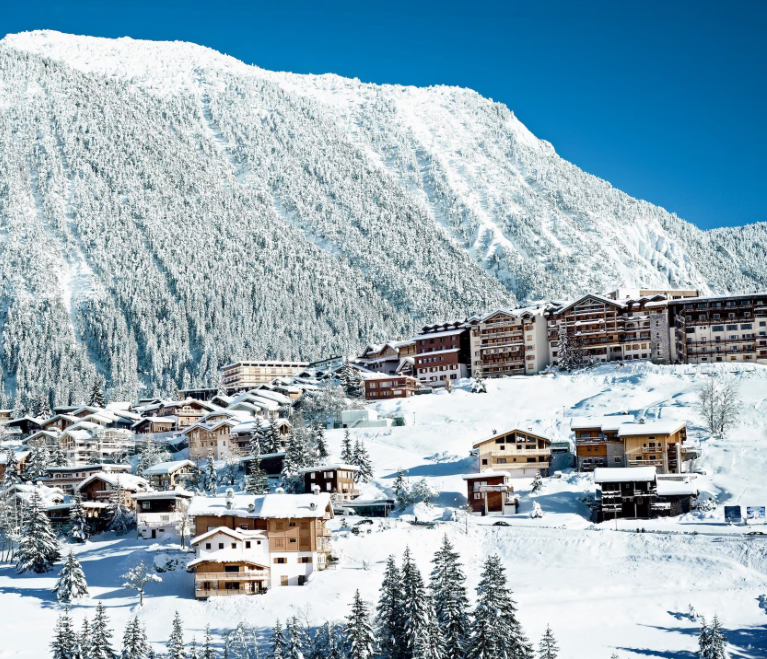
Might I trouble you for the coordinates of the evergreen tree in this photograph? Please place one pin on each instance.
(79, 528)
(11, 476)
(494, 628)
(359, 635)
(273, 438)
(389, 613)
(38, 549)
(176, 640)
(347, 449)
(711, 641)
(150, 653)
(242, 643)
(450, 601)
(84, 640)
(100, 636)
(64, 645)
(207, 645)
(296, 640)
(57, 457)
(415, 619)
(278, 642)
(256, 482)
(537, 483)
(96, 397)
(211, 475)
(548, 648)
(430, 644)
(191, 653)
(121, 518)
(71, 583)
(320, 446)
(135, 645)
(361, 459)
(37, 464)
(351, 381)
(401, 489)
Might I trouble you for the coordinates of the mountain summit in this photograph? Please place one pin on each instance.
(165, 209)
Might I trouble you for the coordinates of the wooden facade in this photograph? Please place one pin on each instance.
(396, 386)
(443, 352)
(509, 343)
(491, 493)
(338, 480)
(521, 453)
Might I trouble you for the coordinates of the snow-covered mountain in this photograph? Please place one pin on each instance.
(165, 208)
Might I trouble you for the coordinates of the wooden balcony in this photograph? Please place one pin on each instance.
(251, 575)
(223, 592)
(520, 465)
(526, 452)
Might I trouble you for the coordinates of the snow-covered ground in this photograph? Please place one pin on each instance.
(602, 590)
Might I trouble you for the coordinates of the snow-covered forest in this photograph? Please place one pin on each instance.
(165, 209)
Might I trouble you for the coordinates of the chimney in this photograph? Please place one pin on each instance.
(315, 490)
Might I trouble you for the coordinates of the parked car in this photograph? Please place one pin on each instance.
(364, 521)
(755, 533)
(501, 523)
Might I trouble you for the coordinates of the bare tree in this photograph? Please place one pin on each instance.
(718, 404)
(138, 577)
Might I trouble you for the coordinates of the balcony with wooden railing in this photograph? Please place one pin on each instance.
(250, 575)
(525, 452)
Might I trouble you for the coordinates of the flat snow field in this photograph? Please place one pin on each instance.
(602, 588)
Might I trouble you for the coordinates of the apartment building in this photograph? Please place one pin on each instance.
(443, 352)
(382, 387)
(247, 375)
(603, 329)
(510, 342)
(718, 329)
(388, 358)
(521, 453)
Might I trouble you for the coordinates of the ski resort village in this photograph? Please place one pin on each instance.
(572, 478)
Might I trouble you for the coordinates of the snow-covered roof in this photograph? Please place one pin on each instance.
(385, 376)
(604, 422)
(266, 506)
(490, 473)
(165, 468)
(650, 428)
(20, 455)
(624, 474)
(669, 488)
(225, 556)
(96, 467)
(237, 534)
(432, 335)
(128, 482)
(508, 432)
(308, 470)
(164, 494)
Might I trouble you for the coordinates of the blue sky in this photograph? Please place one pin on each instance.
(666, 100)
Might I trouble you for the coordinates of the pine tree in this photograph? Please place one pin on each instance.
(57, 457)
(296, 640)
(430, 644)
(717, 641)
(96, 397)
(548, 648)
(361, 459)
(71, 583)
(79, 527)
(389, 620)
(273, 438)
(207, 645)
(37, 464)
(278, 642)
(11, 476)
(450, 600)
(211, 475)
(414, 612)
(347, 449)
(191, 653)
(351, 381)
(256, 482)
(64, 645)
(135, 645)
(320, 446)
(100, 636)
(84, 640)
(358, 634)
(241, 643)
(176, 640)
(121, 518)
(537, 483)
(494, 628)
(401, 489)
(38, 549)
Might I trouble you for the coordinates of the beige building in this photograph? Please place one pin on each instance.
(246, 375)
(520, 453)
(510, 342)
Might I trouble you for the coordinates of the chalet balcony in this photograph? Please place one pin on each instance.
(722, 341)
(251, 575)
(505, 466)
(512, 453)
(506, 347)
(223, 592)
(489, 336)
(641, 462)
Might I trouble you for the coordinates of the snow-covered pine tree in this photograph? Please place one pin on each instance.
(430, 645)
(347, 448)
(273, 438)
(323, 643)
(478, 385)
(135, 645)
(537, 483)
(211, 475)
(717, 640)
(290, 479)
(361, 459)
(358, 633)
(176, 640)
(401, 489)
(242, 643)
(548, 648)
(37, 464)
(38, 549)
(100, 636)
(207, 651)
(96, 397)
(351, 381)
(84, 640)
(256, 481)
(278, 642)
(79, 527)
(191, 653)
(494, 630)
(320, 445)
(451, 603)
(415, 620)
(64, 644)
(11, 475)
(296, 640)
(389, 620)
(71, 583)
(121, 518)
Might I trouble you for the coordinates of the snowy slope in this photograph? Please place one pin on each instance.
(602, 590)
(167, 208)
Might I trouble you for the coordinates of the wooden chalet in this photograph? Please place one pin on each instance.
(336, 479)
(491, 493)
(521, 453)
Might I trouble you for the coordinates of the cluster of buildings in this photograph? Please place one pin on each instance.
(665, 326)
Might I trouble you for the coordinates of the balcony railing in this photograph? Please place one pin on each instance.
(513, 452)
(223, 592)
(520, 465)
(231, 576)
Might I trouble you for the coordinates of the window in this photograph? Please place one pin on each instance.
(283, 581)
(231, 568)
(220, 545)
(305, 559)
(207, 545)
(617, 459)
(247, 544)
(292, 541)
(717, 328)
(477, 495)
(145, 505)
(280, 560)
(746, 326)
(234, 545)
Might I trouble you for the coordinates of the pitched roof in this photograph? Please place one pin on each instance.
(266, 506)
(225, 556)
(603, 422)
(624, 474)
(308, 470)
(507, 432)
(128, 482)
(650, 428)
(163, 468)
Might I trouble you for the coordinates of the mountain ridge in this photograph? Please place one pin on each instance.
(168, 208)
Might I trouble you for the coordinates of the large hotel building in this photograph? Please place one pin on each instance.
(246, 375)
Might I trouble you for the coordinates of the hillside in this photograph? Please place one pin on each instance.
(165, 209)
